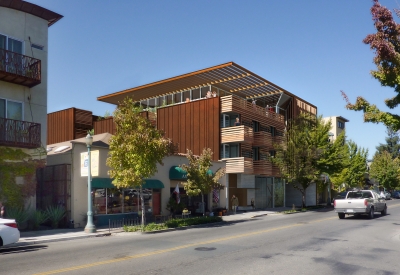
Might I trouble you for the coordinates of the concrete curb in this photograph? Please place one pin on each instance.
(25, 243)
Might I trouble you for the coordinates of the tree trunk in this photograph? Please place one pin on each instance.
(143, 209)
(303, 198)
(202, 202)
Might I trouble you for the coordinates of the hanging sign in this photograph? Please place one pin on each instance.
(94, 163)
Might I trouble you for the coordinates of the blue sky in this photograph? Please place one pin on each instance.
(311, 48)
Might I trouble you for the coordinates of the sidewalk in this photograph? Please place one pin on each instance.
(55, 235)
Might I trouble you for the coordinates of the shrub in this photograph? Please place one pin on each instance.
(55, 214)
(19, 215)
(38, 217)
(191, 221)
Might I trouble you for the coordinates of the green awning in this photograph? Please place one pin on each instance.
(102, 183)
(107, 183)
(177, 173)
(153, 184)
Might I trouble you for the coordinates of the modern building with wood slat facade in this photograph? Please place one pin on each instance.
(198, 110)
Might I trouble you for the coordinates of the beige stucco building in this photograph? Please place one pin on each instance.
(23, 73)
(338, 125)
(110, 203)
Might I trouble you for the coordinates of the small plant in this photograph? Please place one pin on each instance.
(55, 214)
(38, 217)
(91, 132)
(19, 215)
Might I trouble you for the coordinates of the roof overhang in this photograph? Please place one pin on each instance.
(33, 9)
(229, 77)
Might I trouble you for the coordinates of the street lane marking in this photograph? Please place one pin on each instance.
(177, 248)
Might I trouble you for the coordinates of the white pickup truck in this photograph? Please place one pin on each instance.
(361, 202)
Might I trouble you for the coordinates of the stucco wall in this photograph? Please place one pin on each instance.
(21, 26)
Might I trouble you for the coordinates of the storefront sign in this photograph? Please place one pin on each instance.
(94, 163)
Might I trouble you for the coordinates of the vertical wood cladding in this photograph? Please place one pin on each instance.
(106, 125)
(193, 125)
(68, 124)
(60, 126)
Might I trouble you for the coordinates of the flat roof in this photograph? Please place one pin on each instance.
(228, 76)
(33, 9)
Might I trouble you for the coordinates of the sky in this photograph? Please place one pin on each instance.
(310, 48)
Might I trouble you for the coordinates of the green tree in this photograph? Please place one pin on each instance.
(135, 149)
(386, 45)
(357, 165)
(306, 153)
(385, 170)
(199, 180)
(392, 145)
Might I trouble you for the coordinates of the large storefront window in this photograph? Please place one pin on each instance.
(115, 201)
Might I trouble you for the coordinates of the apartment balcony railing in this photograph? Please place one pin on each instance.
(22, 134)
(241, 134)
(262, 139)
(265, 167)
(239, 165)
(19, 69)
(242, 106)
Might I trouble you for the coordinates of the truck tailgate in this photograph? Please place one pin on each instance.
(350, 204)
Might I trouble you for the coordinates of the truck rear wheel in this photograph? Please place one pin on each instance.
(371, 213)
(341, 215)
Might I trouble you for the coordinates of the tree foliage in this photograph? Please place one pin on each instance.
(17, 163)
(135, 149)
(385, 170)
(199, 180)
(306, 152)
(386, 45)
(392, 145)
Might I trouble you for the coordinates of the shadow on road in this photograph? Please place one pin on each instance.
(21, 249)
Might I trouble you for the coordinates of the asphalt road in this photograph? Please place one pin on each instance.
(304, 243)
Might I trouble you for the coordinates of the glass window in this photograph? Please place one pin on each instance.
(11, 109)
(2, 108)
(3, 40)
(170, 99)
(204, 91)
(14, 110)
(178, 97)
(15, 45)
(186, 94)
(196, 94)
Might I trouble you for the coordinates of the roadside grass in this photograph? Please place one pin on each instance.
(174, 223)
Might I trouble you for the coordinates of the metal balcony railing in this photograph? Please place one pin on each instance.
(19, 69)
(21, 134)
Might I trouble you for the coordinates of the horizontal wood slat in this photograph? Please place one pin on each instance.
(237, 134)
(262, 139)
(239, 165)
(265, 167)
(250, 112)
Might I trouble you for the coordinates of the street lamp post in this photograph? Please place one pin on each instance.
(90, 228)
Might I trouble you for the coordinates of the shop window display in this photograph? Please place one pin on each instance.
(114, 201)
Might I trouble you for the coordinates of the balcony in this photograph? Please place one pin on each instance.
(262, 139)
(251, 112)
(241, 134)
(264, 167)
(21, 134)
(19, 69)
(239, 165)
